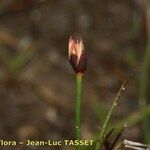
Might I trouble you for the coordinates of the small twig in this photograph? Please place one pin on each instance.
(135, 145)
(132, 145)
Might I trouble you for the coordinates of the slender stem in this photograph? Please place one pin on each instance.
(143, 93)
(143, 101)
(78, 108)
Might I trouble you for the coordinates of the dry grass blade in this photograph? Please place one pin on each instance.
(126, 144)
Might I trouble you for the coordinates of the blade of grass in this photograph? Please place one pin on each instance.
(143, 91)
(143, 101)
(133, 118)
(102, 132)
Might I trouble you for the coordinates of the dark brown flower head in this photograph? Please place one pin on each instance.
(77, 55)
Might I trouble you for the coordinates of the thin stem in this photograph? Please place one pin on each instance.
(78, 108)
(143, 90)
(143, 97)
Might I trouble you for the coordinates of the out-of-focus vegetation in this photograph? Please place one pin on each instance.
(36, 83)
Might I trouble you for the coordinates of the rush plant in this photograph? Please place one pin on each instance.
(78, 60)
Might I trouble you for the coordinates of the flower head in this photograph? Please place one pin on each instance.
(77, 55)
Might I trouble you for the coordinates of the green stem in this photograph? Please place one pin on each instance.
(78, 108)
(143, 95)
(143, 102)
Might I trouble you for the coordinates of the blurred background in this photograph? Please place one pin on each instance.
(37, 83)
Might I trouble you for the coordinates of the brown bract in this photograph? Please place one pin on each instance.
(77, 55)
